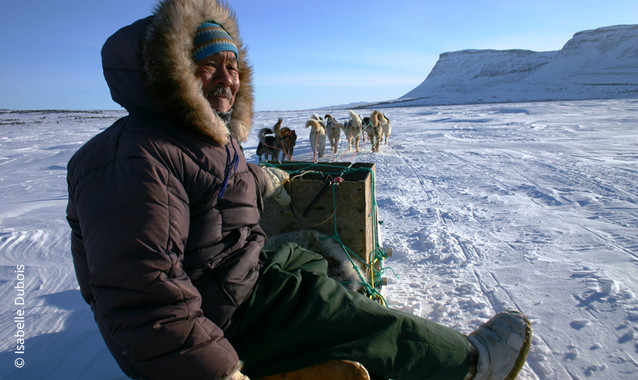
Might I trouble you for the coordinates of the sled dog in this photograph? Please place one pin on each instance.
(352, 129)
(333, 131)
(365, 125)
(267, 148)
(317, 136)
(386, 127)
(276, 140)
(288, 138)
(375, 131)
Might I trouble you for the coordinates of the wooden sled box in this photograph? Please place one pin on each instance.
(321, 201)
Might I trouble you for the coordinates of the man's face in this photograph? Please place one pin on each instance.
(220, 79)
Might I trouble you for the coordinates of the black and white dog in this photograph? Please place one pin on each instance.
(268, 149)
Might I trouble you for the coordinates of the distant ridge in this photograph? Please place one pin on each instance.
(594, 64)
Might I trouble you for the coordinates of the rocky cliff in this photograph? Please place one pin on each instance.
(593, 64)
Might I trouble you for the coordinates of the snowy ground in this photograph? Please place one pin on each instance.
(531, 206)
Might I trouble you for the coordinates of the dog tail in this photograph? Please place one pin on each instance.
(355, 118)
(375, 118)
(383, 119)
(263, 132)
(277, 127)
(317, 127)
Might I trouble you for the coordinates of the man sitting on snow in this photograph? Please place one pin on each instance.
(167, 249)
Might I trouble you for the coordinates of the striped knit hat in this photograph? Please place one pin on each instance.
(212, 38)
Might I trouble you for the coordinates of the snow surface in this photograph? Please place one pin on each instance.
(531, 206)
(594, 64)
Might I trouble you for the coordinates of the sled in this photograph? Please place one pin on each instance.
(338, 200)
(332, 370)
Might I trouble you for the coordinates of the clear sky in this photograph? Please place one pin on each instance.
(305, 53)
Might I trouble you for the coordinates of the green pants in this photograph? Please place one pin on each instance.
(298, 316)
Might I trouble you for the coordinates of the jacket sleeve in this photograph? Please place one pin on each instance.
(131, 222)
(260, 177)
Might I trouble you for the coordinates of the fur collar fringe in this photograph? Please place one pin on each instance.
(170, 70)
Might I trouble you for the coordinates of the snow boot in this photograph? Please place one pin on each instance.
(502, 344)
(332, 369)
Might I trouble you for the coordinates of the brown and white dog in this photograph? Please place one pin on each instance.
(380, 119)
(375, 131)
(288, 138)
(317, 136)
(333, 131)
(352, 129)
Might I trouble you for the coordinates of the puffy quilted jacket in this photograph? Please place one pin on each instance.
(163, 208)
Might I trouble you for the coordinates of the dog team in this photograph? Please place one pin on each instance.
(278, 143)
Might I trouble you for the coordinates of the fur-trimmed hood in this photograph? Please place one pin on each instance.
(149, 69)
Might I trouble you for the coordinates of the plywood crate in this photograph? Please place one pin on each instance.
(351, 207)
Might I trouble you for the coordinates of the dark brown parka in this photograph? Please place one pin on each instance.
(162, 205)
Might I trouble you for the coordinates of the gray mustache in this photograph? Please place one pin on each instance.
(220, 92)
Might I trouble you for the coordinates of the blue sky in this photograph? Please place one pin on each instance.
(304, 54)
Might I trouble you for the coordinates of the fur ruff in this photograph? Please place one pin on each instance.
(170, 70)
(339, 266)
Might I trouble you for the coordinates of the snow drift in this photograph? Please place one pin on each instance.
(530, 206)
(594, 64)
